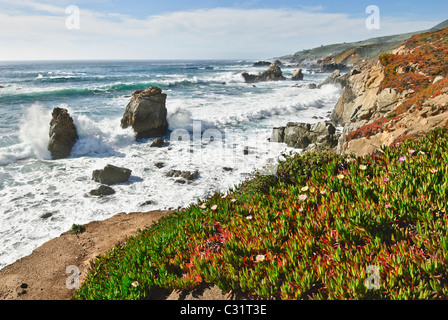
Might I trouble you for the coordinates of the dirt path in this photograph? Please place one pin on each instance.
(42, 275)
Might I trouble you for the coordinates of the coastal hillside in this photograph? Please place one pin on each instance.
(403, 94)
(353, 52)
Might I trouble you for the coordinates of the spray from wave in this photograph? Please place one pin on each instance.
(100, 138)
(33, 130)
(32, 135)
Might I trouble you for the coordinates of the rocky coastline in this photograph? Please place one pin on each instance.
(373, 111)
(401, 95)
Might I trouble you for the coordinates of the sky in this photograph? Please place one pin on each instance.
(198, 29)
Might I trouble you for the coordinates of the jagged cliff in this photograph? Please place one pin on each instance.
(402, 94)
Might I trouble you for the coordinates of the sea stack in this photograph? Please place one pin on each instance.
(273, 73)
(297, 75)
(146, 113)
(63, 134)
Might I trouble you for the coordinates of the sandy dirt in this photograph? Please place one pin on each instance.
(43, 274)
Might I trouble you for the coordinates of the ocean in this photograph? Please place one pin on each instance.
(41, 198)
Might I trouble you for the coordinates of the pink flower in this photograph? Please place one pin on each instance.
(388, 206)
(303, 197)
(402, 159)
(322, 192)
(411, 152)
(214, 207)
(233, 200)
(223, 197)
(433, 170)
(386, 180)
(249, 217)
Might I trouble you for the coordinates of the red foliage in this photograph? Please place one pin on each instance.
(369, 130)
(427, 59)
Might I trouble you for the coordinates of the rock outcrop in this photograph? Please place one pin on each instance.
(146, 113)
(401, 95)
(63, 134)
(188, 175)
(262, 64)
(273, 73)
(336, 78)
(297, 75)
(333, 66)
(111, 175)
(305, 135)
(157, 143)
(102, 191)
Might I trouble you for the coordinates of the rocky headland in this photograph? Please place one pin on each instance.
(400, 95)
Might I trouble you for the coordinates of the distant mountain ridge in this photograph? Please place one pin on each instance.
(351, 52)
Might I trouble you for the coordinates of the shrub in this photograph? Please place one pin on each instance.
(314, 235)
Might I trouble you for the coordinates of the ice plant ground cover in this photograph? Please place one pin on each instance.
(313, 231)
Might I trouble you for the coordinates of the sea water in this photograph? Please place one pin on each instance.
(216, 113)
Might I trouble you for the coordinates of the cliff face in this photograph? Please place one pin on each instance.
(402, 94)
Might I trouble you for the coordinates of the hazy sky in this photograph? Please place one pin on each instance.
(196, 29)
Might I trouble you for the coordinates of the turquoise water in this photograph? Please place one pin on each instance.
(41, 198)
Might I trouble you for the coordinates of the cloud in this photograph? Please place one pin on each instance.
(201, 33)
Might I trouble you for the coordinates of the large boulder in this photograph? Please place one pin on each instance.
(262, 64)
(273, 73)
(146, 113)
(305, 135)
(157, 143)
(188, 175)
(63, 134)
(111, 175)
(297, 75)
(102, 191)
